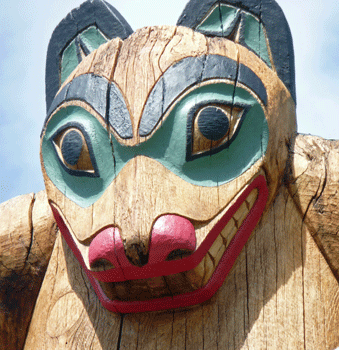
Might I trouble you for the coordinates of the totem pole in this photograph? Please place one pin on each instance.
(182, 210)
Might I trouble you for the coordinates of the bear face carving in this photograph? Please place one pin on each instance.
(162, 148)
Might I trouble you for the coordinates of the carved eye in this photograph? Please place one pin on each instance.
(74, 150)
(213, 128)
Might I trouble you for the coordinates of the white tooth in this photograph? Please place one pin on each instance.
(229, 230)
(252, 198)
(121, 290)
(200, 275)
(209, 269)
(156, 282)
(216, 246)
(219, 255)
(196, 275)
(241, 213)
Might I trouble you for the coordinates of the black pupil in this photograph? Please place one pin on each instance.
(71, 147)
(213, 123)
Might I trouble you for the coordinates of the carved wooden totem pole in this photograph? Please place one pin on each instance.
(191, 213)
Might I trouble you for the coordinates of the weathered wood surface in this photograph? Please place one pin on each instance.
(314, 185)
(281, 294)
(155, 49)
(27, 236)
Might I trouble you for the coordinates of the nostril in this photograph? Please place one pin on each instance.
(101, 265)
(136, 254)
(173, 237)
(178, 254)
(102, 250)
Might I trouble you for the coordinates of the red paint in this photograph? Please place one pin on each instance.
(103, 247)
(169, 233)
(188, 299)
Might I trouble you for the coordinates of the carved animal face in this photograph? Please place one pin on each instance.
(162, 149)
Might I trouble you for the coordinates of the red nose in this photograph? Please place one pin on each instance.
(171, 236)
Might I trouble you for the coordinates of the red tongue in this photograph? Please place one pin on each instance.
(170, 233)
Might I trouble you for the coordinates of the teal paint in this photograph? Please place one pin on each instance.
(255, 38)
(93, 38)
(82, 190)
(69, 61)
(167, 146)
(220, 20)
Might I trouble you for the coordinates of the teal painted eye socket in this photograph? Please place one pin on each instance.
(244, 142)
(77, 155)
(247, 142)
(212, 127)
(74, 149)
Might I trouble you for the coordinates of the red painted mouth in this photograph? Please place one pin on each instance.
(126, 271)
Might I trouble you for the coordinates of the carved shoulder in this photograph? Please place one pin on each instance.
(27, 236)
(315, 189)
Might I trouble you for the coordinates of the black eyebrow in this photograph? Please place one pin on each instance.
(89, 88)
(188, 72)
(96, 91)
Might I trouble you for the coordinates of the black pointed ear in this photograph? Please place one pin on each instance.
(259, 25)
(82, 31)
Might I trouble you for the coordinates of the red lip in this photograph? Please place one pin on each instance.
(172, 267)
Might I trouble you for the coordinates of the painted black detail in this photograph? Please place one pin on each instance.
(213, 123)
(71, 147)
(59, 99)
(176, 79)
(220, 67)
(190, 120)
(92, 12)
(274, 21)
(118, 115)
(247, 77)
(185, 74)
(89, 88)
(81, 173)
(77, 47)
(96, 92)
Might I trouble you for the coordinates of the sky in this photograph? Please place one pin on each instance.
(26, 27)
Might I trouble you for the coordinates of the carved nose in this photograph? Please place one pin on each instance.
(172, 237)
(104, 249)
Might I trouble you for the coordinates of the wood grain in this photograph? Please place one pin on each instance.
(146, 54)
(314, 185)
(27, 235)
(281, 118)
(280, 294)
(68, 314)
